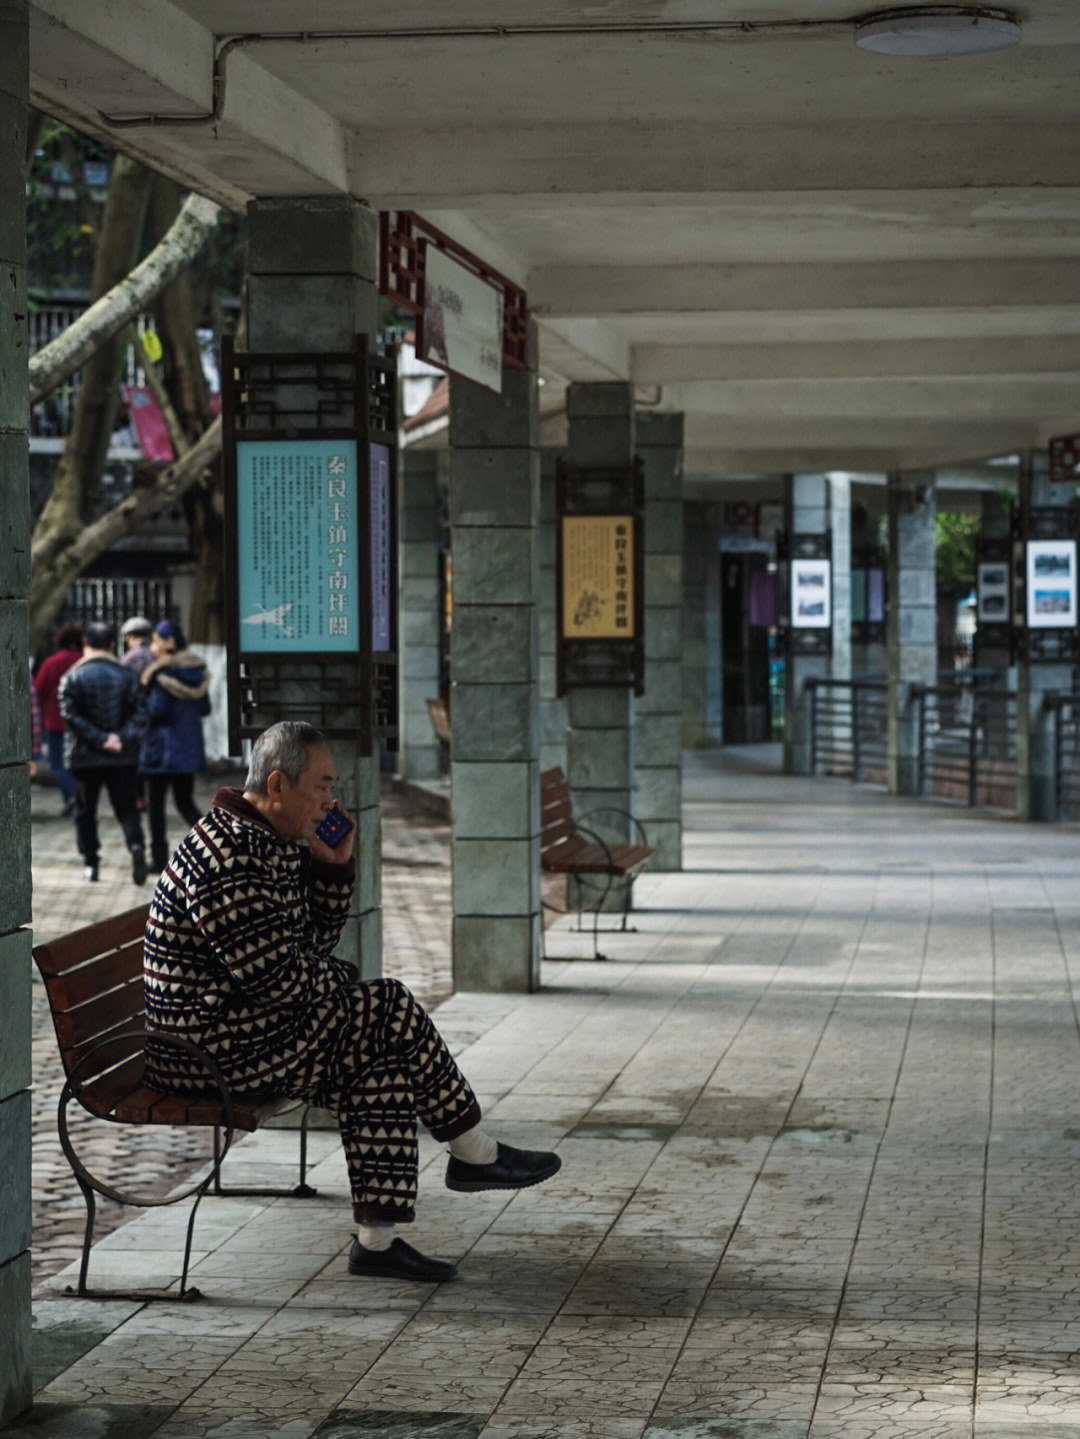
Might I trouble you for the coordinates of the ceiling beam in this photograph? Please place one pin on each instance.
(463, 165)
(844, 286)
(671, 363)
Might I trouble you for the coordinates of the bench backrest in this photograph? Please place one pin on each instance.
(557, 828)
(94, 981)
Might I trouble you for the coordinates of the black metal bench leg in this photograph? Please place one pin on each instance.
(304, 1190)
(185, 1292)
(88, 1238)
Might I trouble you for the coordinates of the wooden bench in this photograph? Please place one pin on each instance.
(590, 863)
(94, 982)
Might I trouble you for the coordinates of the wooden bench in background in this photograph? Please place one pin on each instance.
(591, 864)
(94, 982)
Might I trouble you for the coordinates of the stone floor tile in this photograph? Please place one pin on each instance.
(52, 1419)
(597, 1427)
(706, 1400)
(414, 1423)
(577, 1398)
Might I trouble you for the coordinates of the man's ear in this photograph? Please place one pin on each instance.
(274, 784)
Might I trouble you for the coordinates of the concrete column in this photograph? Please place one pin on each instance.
(494, 666)
(658, 717)
(14, 738)
(600, 431)
(553, 717)
(818, 505)
(312, 284)
(911, 634)
(419, 612)
(1035, 779)
(702, 719)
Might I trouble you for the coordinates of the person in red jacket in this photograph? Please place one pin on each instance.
(68, 651)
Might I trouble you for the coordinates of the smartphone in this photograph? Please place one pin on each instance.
(334, 827)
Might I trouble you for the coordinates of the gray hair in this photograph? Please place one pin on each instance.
(284, 746)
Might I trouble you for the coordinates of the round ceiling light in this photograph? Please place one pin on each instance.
(937, 30)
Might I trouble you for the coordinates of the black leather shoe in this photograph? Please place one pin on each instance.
(400, 1261)
(511, 1169)
(91, 873)
(138, 867)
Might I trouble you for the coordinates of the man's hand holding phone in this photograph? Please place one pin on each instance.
(333, 841)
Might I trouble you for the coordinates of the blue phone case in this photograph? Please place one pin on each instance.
(334, 827)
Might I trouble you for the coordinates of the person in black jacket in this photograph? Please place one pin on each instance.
(102, 706)
(176, 684)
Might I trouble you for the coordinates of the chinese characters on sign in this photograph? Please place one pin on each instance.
(381, 550)
(297, 544)
(598, 576)
(463, 321)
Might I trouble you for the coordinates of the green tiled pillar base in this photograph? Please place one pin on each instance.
(658, 722)
(494, 703)
(419, 612)
(15, 1382)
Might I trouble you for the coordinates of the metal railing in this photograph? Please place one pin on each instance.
(848, 728)
(961, 734)
(1063, 711)
(966, 742)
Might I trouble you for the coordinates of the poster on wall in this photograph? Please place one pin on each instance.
(298, 534)
(462, 326)
(811, 594)
(598, 577)
(992, 593)
(1051, 584)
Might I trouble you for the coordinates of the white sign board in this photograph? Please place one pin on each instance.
(811, 595)
(1051, 584)
(463, 321)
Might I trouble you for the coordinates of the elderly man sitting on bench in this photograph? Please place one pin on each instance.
(239, 959)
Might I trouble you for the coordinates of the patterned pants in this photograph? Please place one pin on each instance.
(391, 1070)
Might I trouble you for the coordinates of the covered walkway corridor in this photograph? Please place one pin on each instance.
(818, 1124)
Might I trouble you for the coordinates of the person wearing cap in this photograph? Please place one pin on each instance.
(102, 706)
(172, 751)
(135, 640)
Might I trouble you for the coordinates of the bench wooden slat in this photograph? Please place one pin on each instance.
(76, 986)
(98, 1016)
(57, 955)
(104, 1092)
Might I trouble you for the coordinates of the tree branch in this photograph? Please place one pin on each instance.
(184, 239)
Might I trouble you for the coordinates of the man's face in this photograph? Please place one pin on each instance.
(302, 805)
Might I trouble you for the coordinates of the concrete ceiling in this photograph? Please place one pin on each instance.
(825, 258)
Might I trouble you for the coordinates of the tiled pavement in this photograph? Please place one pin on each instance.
(819, 1124)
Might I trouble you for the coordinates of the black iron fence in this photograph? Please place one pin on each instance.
(966, 742)
(961, 736)
(1063, 712)
(848, 728)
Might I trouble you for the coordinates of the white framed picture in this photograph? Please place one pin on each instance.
(992, 593)
(1051, 584)
(811, 594)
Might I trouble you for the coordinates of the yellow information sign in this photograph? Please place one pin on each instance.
(598, 576)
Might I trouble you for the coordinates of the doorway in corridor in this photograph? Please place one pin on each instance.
(745, 586)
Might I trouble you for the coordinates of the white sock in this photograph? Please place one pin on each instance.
(474, 1147)
(376, 1237)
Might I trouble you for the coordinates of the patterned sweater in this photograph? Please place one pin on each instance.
(238, 955)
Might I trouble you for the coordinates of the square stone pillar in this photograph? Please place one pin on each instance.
(494, 668)
(419, 612)
(553, 718)
(1036, 785)
(819, 504)
(14, 737)
(312, 285)
(658, 717)
(600, 431)
(911, 628)
(702, 710)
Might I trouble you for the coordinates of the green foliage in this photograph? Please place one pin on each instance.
(65, 191)
(955, 533)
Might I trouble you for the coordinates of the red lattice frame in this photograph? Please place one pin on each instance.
(404, 238)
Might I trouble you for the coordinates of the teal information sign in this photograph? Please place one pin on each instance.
(298, 546)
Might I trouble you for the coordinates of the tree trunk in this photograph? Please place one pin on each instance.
(70, 504)
(54, 571)
(131, 293)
